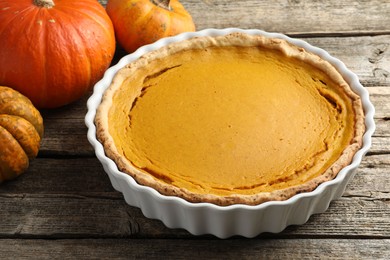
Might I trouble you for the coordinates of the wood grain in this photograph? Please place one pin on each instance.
(292, 16)
(195, 249)
(60, 216)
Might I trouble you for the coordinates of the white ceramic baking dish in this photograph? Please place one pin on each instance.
(226, 221)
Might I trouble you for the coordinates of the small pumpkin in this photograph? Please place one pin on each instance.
(54, 51)
(140, 22)
(21, 131)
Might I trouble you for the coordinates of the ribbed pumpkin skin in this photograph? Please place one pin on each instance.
(54, 55)
(21, 130)
(140, 22)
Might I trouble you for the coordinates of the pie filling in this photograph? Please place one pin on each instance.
(230, 120)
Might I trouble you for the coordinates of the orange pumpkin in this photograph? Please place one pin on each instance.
(54, 51)
(21, 130)
(140, 22)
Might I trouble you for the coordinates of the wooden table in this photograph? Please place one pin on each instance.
(65, 207)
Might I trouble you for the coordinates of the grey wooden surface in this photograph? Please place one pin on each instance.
(65, 207)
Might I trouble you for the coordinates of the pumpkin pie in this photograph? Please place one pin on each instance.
(234, 119)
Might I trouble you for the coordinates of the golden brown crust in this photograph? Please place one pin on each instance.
(237, 39)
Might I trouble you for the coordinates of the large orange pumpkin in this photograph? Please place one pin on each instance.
(53, 51)
(21, 130)
(140, 22)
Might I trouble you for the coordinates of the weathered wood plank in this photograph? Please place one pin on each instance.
(79, 176)
(55, 217)
(293, 16)
(368, 57)
(73, 216)
(380, 145)
(380, 98)
(77, 217)
(200, 249)
(382, 127)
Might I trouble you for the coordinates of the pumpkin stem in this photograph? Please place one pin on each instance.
(44, 3)
(163, 4)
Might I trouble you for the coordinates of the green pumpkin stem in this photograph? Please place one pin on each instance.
(163, 4)
(44, 3)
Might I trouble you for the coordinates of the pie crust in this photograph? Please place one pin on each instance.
(143, 67)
